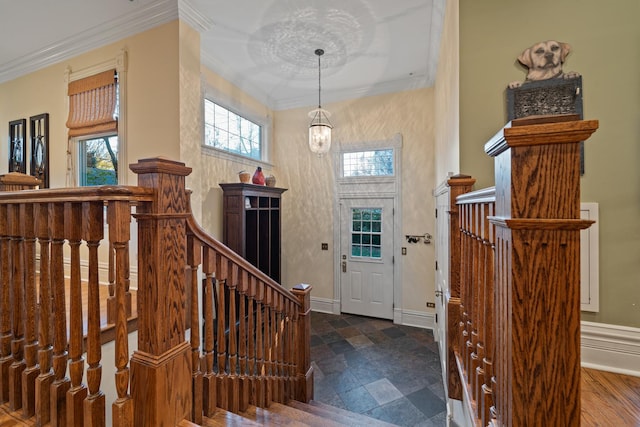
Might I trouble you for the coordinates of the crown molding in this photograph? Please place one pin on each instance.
(143, 19)
(192, 16)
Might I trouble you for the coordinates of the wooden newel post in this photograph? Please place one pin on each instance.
(537, 253)
(304, 390)
(161, 367)
(458, 184)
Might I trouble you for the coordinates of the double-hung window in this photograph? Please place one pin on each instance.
(93, 124)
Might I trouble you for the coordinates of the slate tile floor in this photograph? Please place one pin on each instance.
(373, 367)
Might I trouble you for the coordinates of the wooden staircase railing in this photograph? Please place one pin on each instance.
(255, 334)
(513, 312)
(41, 349)
(254, 349)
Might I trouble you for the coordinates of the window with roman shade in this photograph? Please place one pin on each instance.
(93, 102)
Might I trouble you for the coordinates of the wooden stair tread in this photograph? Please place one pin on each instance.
(338, 414)
(292, 414)
(284, 415)
(13, 418)
(222, 418)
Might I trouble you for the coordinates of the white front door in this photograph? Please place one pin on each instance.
(366, 257)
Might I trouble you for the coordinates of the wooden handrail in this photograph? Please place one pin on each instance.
(207, 240)
(133, 195)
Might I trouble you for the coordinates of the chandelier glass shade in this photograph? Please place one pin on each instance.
(320, 126)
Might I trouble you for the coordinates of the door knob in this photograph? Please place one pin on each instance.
(344, 266)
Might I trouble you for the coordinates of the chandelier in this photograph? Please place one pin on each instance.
(320, 127)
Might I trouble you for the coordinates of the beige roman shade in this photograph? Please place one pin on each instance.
(92, 104)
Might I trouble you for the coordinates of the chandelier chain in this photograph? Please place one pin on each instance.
(319, 52)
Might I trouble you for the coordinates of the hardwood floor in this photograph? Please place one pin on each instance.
(609, 399)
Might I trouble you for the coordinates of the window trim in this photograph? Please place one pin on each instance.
(120, 63)
(394, 144)
(265, 123)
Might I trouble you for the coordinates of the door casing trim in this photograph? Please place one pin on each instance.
(387, 187)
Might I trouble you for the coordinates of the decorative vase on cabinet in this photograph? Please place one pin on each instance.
(251, 224)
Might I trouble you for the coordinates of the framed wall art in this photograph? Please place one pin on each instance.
(18, 146)
(39, 131)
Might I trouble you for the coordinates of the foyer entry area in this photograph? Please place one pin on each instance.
(376, 368)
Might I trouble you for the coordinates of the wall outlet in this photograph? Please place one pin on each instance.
(431, 305)
(325, 246)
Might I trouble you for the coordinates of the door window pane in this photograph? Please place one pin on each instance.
(366, 232)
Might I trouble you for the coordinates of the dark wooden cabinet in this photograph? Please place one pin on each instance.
(251, 224)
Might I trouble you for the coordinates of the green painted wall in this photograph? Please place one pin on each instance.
(606, 50)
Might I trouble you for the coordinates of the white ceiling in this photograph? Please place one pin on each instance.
(265, 47)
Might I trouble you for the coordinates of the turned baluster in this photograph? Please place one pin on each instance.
(61, 383)
(260, 380)
(119, 218)
(242, 343)
(476, 295)
(275, 342)
(280, 347)
(5, 314)
(478, 369)
(93, 232)
(489, 320)
(18, 364)
(221, 275)
(268, 345)
(209, 379)
(472, 297)
(251, 337)
(111, 299)
(45, 343)
(29, 375)
(77, 392)
(232, 379)
(194, 258)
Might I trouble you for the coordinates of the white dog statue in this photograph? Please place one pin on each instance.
(544, 61)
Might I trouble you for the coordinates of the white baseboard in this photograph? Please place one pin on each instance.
(325, 305)
(419, 319)
(610, 348)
